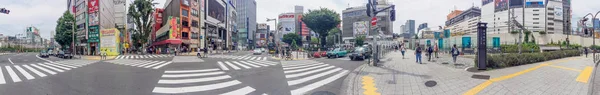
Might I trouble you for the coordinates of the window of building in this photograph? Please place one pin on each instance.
(536, 27)
(550, 9)
(536, 14)
(184, 35)
(550, 28)
(184, 12)
(195, 36)
(550, 23)
(194, 12)
(550, 14)
(550, 18)
(536, 22)
(536, 10)
(536, 18)
(194, 23)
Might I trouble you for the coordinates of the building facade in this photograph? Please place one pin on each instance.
(356, 23)
(422, 26)
(246, 22)
(409, 28)
(465, 22)
(261, 34)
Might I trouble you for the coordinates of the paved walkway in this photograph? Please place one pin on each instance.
(404, 76)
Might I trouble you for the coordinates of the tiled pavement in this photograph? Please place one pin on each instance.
(404, 76)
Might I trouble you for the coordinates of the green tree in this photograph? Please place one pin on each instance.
(291, 37)
(64, 29)
(321, 21)
(360, 40)
(314, 40)
(330, 40)
(141, 11)
(335, 32)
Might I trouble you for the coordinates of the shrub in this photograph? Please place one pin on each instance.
(527, 47)
(514, 59)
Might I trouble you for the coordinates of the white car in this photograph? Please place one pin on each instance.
(262, 49)
(257, 51)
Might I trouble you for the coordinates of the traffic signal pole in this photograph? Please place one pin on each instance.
(372, 11)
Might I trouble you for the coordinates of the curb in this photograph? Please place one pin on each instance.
(352, 76)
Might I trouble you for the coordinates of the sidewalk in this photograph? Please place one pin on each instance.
(405, 76)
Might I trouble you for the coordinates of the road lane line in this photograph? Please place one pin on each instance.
(232, 66)
(191, 75)
(34, 71)
(262, 64)
(154, 64)
(159, 66)
(10, 61)
(12, 74)
(584, 76)
(318, 84)
(140, 63)
(264, 58)
(243, 91)
(191, 71)
(43, 69)
(57, 66)
(253, 65)
(175, 90)
(151, 62)
(194, 80)
(53, 68)
(222, 66)
(24, 73)
(309, 72)
(68, 66)
(2, 81)
(305, 69)
(266, 62)
(302, 66)
(236, 63)
(305, 79)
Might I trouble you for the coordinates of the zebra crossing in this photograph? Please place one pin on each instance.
(244, 64)
(246, 57)
(141, 63)
(39, 70)
(200, 82)
(305, 75)
(142, 56)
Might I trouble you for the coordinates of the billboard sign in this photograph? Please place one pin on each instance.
(516, 3)
(216, 10)
(94, 35)
(558, 13)
(262, 26)
(93, 19)
(534, 3)
(109, 41)
(360, 28)
(93, 6)
(174, 29)
(500, 5)
(287, 23)
(484, 2)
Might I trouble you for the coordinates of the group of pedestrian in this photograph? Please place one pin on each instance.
(432, 51)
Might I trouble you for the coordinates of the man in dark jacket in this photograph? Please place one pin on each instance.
(418, 54)
(454, 53)
(429, 52)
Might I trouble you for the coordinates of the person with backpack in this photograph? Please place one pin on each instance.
(455, 53)
(402, 50)
(418, 54)
(429, 52)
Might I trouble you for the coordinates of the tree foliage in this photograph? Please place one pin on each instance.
(141, 11)
(321, 21)
(64, 29)
(291, 37)
(360, 40)
(314, 40)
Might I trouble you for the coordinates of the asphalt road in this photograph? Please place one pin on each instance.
(24, 58)
(234, 73)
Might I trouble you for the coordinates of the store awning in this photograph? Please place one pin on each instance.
(168, 41)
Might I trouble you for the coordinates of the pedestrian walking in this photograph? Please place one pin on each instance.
(436, 49)
(402, 50)
(418, 54)
(429, 53)
(455, 53)
(585, 50)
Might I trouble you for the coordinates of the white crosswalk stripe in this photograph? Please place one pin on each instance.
(246, 57)
(25, 73)
(141, 63)
(2, 81)
(305, 75)
(39, 70)
(200, 82)
(238, 65)
(142, 56)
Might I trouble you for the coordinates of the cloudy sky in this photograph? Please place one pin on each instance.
(44, 13)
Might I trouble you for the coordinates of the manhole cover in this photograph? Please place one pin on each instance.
(322, 93)
(475, 76)
(430, 83)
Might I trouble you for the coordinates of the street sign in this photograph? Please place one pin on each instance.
(373, 21)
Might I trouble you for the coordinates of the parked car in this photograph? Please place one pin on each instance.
(257, 51)
(50, 52)
(323, 53)
(68, 55)
(44, 54)
(360, 53)
(317, 54)
(60, 54)
(336, 53)
(263, 49)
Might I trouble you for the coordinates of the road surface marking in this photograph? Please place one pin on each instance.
(191, 71)
(236, 63)
(369, 86)
(43, 69)
(35, 71)
(140, 63)
(261, 64)
(305, 69)
(566, 68)
(309, 72)
(264, 58)
(191, 75)
(309, 65)
(318, 84)
(584, 76)
(164, 64)
(155, 64)
(174, 90)
(2, 81)
(25, 73)
(232, 66)
(267, 62)
(243, 91)
(146, 64)
(10, 61)
(253, 65)
(12, 74)
(64, 68)
(53, 68)
(68, 66)
(305, 79)
(194, 80)
(222, 66)
(485, 84)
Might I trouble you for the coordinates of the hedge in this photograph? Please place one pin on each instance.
(514, 59)
(515, 48)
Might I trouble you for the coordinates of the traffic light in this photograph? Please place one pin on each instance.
(585, 30)
(393, 15)
(369, 9)
(5, 11)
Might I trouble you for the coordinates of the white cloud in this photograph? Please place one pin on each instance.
(39, 13)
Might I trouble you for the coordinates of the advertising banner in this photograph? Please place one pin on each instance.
(174, 30)
(216, 10)
(109, 41)
(360, 28)
(534, 3)
(287, 22)
(262, 26)
(500, 5)
(93, 19)
(94, 35)
(93, 6)
(558, 13)
(485, 2)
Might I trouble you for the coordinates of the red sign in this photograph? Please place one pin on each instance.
(373, 21)
(93, 6)
(286, 16)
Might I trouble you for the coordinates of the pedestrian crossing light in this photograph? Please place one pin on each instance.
(393, 15)
(5, 11)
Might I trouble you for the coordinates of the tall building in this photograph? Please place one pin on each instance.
(101, 17)
(552, 16)
(409, 28)
(246, 22)
(356, 23)
(261, 34)
(422, 26)
(176, 26)
(81, 22)
(231, 33)
(194, 40)
(465, 22)
(120, 14)
(216, 24)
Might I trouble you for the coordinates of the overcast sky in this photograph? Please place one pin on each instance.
(44, 13)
